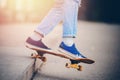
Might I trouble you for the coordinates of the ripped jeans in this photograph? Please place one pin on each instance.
(63, 10)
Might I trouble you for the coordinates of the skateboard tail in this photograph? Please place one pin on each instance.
(82, 60)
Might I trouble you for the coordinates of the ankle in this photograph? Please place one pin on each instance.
(36, 36)
(68, 41)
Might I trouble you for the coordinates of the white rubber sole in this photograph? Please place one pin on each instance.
(68, 53)
(36, 48)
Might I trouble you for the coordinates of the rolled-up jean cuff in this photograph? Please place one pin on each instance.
(69, 37)
(40, 32)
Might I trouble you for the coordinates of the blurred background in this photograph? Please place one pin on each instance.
(98, 38)
(23, 10)
(34, 10)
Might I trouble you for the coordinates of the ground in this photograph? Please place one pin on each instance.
(98, 41)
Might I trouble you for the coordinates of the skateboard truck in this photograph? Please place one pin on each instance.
(75, 66)
(41, 57)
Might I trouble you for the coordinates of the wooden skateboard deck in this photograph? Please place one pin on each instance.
(74, 61)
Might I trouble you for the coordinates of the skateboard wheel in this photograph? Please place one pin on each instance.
(33, 54)
(44, 59)
(67, 65)
(79, 68)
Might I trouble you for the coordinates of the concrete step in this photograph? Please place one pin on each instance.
(16, 63)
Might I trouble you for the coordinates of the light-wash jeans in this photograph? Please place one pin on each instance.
(63, 10)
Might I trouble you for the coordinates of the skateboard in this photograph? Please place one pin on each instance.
(74, 62)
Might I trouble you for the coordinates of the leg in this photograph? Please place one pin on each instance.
(52, 19)
(70, 18)
(47, 24)
(70, 29)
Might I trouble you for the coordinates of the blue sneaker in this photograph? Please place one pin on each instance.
(30, 43)
(70, 51)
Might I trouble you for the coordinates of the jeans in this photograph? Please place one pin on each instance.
(63, 10)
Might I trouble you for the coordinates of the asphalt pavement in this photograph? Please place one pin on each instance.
(98, 41)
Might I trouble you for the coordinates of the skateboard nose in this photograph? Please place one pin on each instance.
(87, 61)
